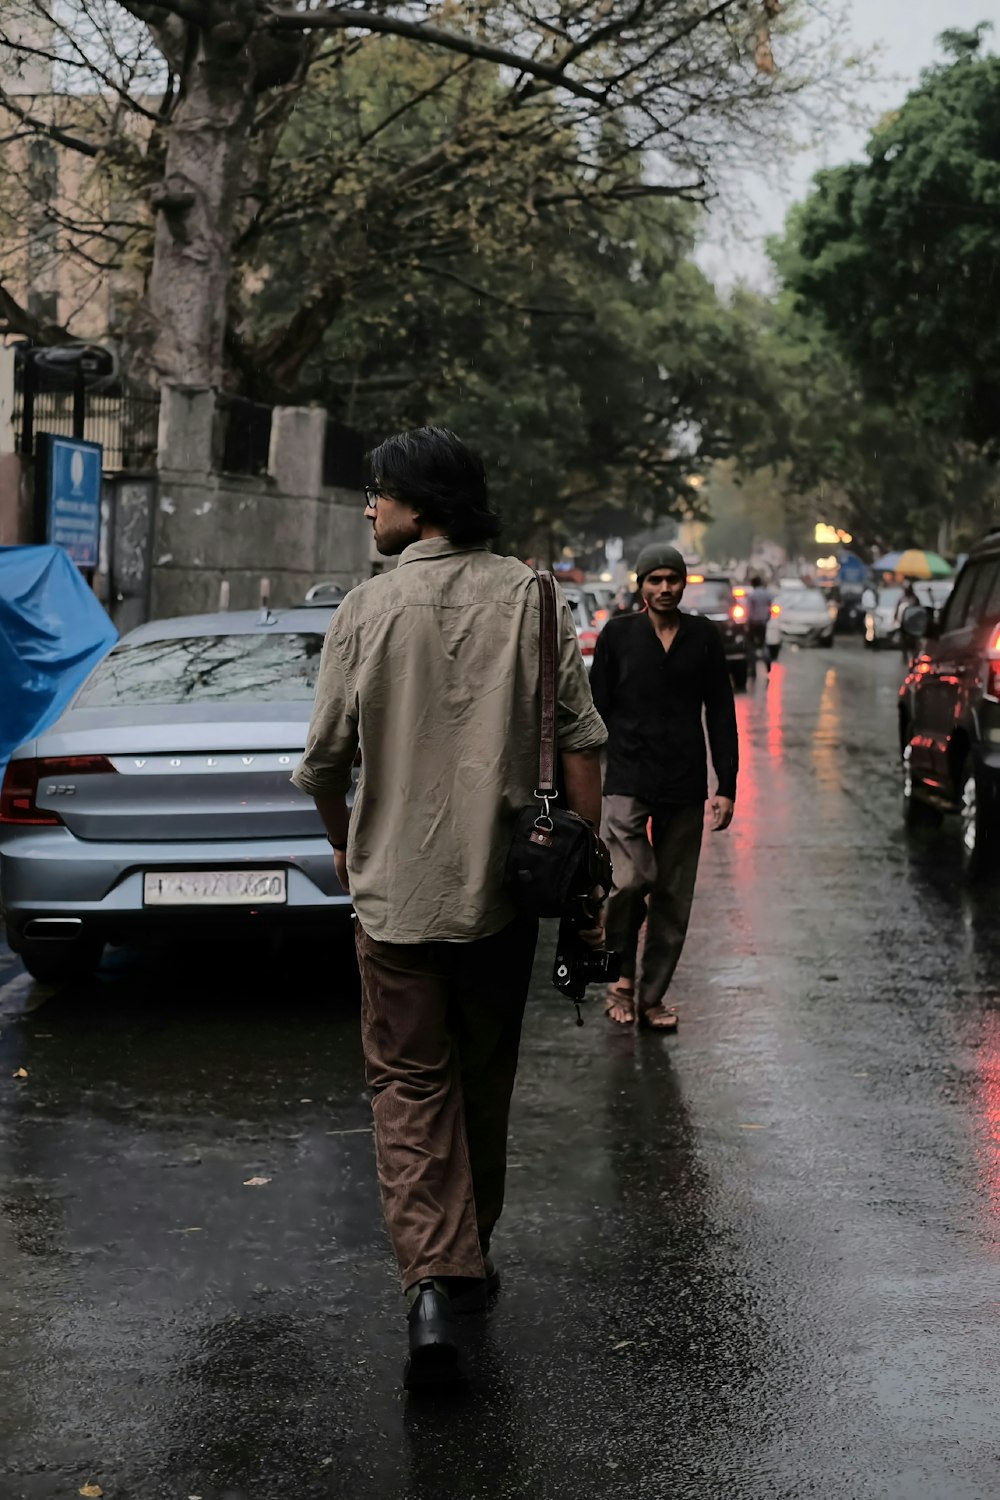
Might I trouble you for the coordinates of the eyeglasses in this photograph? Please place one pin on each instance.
(373, 492)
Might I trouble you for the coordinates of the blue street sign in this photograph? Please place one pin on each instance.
(73, 497)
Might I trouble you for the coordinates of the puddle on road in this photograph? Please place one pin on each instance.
(20, 995)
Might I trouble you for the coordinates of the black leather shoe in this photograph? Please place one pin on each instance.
(434, 1360)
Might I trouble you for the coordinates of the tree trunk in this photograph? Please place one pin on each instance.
(178, 335)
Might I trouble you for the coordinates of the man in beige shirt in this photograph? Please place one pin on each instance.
(432, 672)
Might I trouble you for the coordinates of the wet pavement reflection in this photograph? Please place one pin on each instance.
(758, 1259)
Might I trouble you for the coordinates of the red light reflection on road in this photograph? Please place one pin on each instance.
(776, 714)
(763, 821)
(988, 1109)
(760, 720)
(827, 754)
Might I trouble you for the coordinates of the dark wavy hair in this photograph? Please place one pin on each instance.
(432, 470)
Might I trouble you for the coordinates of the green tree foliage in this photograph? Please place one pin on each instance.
(584, 349)
(849, 456)
(826, 449)
(199, 101)
(748, 508)
(426, 210)
(899, 256)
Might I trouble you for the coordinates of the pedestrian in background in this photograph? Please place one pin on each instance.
(653, 675)
(759, 601)
(432, 670)
(907, 599)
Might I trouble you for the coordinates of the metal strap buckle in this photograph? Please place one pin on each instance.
(544, 819)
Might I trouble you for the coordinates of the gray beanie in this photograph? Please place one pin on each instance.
(659, 555)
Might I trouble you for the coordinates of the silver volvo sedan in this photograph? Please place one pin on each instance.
(161, 798)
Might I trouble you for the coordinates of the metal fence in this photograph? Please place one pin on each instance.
(343, 456)
(246, 435)
(126, 424)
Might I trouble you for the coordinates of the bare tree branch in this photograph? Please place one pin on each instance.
(197, 12)
(43, 127)
(17, 319)
(445, 273)
(334, 19)
(90, 63)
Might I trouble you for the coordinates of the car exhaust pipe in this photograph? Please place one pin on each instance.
(59, 929)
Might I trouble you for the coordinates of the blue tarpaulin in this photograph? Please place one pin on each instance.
(852, 569)
(53, 632)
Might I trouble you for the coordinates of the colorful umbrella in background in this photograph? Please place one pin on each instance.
(913, 562)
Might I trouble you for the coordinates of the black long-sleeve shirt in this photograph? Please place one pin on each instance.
(651, 701)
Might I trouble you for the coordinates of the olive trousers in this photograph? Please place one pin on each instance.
(655, 853)
(441, 1028)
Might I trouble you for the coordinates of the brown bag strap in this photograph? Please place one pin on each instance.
(548, 649)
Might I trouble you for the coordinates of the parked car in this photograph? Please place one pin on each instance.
(807, 617)
(583, 618)
(949, 708)
(600, 601)
(881, 627)
(713, 596)
(162, 798)
(880, 618)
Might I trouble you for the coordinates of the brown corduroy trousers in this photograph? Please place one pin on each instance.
(441, 1026)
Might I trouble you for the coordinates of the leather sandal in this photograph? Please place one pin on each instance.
(620, 998)
(658, 1017)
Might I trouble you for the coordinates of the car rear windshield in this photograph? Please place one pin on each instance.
(278, 668)
(712, 596)
(803, 601)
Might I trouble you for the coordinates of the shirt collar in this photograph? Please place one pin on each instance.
(683, 621)
(437, 546)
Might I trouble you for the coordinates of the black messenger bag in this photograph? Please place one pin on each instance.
(556, 858)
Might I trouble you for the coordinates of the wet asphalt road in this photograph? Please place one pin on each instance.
(758, 1259)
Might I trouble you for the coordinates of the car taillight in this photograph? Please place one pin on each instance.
(588, 640)
(776, 610)
(600, 617)
(993, 668)
(19, 794)
(739, 613)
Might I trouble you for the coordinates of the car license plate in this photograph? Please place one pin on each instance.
(214, 888)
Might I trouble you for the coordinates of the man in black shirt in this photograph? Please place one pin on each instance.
(652, 676)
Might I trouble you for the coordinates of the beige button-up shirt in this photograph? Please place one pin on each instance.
(432, 670)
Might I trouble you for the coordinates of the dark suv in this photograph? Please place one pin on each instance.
(949, 708)
(711, 595)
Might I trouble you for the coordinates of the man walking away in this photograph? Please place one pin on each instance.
(907, 599)
(432, 671)
(653, 674)
(759, 602)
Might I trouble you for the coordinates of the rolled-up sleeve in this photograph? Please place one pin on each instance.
(332, 742)
(579, 725)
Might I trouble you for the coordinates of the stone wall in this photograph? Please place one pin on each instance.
(169, 539)
(212, 527)
(15, 501)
